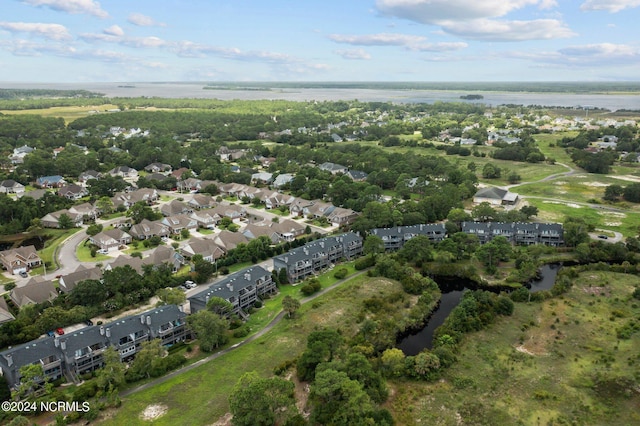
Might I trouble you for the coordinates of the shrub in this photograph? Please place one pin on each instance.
(340, 273)
(364, 263)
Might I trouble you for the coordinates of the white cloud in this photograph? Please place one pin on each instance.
(50, 31)
(143, 20)
(586, 56)
(89, 7)
(355, 54)
(114, 30)
(434, 11)
(381, 39)
(439, 47)
(612, 6)
(477, 20)
(491, 30)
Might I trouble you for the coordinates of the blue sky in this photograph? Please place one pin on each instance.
(319, 40)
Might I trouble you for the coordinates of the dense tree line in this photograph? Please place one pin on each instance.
(18, 215)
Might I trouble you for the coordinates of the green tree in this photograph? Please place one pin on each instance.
(141, 367)
(220, 306)
(64, 221)
(171, 296)
(210, 328)
(258, 401)
(393, 362)
(338, 400)
(373, 245)
(290, 305)
(31, 381)
(105, 205)
(491, 171)
(483, 212)
(111, 376)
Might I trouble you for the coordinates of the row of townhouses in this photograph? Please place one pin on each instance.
(242, 289)
(394, 238)
(317, 255)
(81, 351)
(551, 234)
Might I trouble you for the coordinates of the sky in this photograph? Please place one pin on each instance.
(75, 41)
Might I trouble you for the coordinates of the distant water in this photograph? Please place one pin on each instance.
(611, 102)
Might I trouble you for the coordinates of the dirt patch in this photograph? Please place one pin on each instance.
(301, 392)
(596, 290)
(627, 178)
(154, 411)
(224, 420)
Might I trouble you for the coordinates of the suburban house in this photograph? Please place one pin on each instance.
(202, 201)
(298, 205)
(262, 177)
(10, 186)
(72, 191)
(81, 351)
(36, 290)
(229, 240)
(147, 195)
(86, 210)
(551, 234)
(206, 248)
(317, 255)
(163, 255)
(147, 229)
(20, 259)
(207, 218)
(227, 154)
(52, 220)
(68, 282)
(333, 168)
(241, 289)
(124, 172)
(495, 196)
(394, 238)
(36, 194)
(357, 175)
(340, 216)
(56, 181)
(318, 209)
(175, 207)
(19, 153)
(111, 239)
(282, 180)
(5, 313)
(277, 199)
(124, 260)
(179, 222)
(232, 211)
(158, 168)
(286, 230)
(88, 175)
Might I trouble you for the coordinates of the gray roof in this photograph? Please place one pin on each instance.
(232, 284)
(317, 246)
(492, 192)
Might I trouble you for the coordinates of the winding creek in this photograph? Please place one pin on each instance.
(452, 290)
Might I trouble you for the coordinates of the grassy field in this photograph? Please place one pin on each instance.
(200, 396)
(68, 113)
(557, 362)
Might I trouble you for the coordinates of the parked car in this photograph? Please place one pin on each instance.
(603, 237)
(88, 322)
(60, 331)
(189, 284)
(23, 274)
(51, 333)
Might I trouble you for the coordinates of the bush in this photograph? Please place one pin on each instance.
(364, 263)
(9, 286)
(257, 304)
(340, 273)
(241, 332)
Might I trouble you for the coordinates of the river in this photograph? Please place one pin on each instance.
(608, 101)
(452, 291)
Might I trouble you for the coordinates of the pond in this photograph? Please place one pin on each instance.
(452, 290)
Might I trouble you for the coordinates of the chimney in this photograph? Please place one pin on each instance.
(247, 276)
(108, 332)
(9, 358)
(141, 319)
(56, 342)
(102, 330)
(148, 319)
(63, 345)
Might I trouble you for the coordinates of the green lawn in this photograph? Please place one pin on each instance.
(83, 252)
(57, 236)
